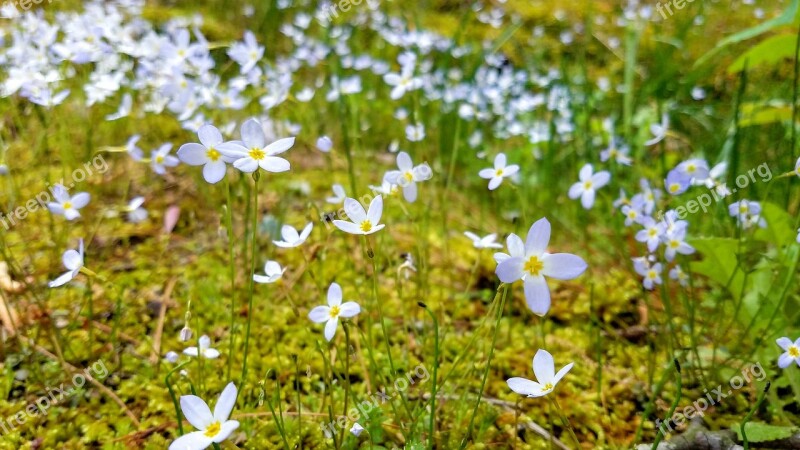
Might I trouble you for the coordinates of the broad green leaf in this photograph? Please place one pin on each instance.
(786, 18)
(768, 51)
(719, 263)
(763, 113)
(762, 432)
(780, 226)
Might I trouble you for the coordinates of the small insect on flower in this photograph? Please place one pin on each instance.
(588, 184)
(65, 205)
(213, 428)
(792, 350)
(499, 172)
(205, 349)
(206, 154)
(291, 238)
(160, 159)
(272, 273)
(487, 241)
(535, 264)
(73, 261)
(362, 222)
(330, 314)
(253, 152)
(546, 376)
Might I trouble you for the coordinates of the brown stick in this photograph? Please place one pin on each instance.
(162, 313)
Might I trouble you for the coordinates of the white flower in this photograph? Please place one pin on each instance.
(415, 132)
(500, 171)
(408, 176)
(792, 350)
(73, 261)
(205, 349)
(160, 159)
(675, 242)
(3, 169)
(651, 273)
(136, 214)
(171, 357)
(339, 194)
(330, 314)
(535, 264)
(676, 273)
(65, 205)
(324, 144)
(659, 130)
(132, 149)
(617, 153)
(253, 152)
(546, 376)
(272, 273)
(588, 184)
(213, 428)
(206, 154)
(487, 241)
(362, 222)
(402, 82)
(356, 429)
(291, 238)
(516, 248)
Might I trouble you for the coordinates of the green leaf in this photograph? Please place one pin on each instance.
(762, 432)
(780, 226)
(769, 51)
(763, 113)
(719, 262)
(786, 18)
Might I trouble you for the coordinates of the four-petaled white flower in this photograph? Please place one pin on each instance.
(214, 428)
(206, 154)
(515, 248)
(487, 241)
(272, 273)
(73, 261)
(500, 171)
(253, 152)
(362, 222)
(65, 205)
(291, 238)
(792, 350)
(339, 194)
(408, 176)
(330, 314)
(536, 264)
(136, 214)
(205, 349)
(160, 159)
(546, 377)
(587, 186)
(651, 273)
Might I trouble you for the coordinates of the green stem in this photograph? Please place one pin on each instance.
(172, 395)
(229, 226)
(254, 231)
(432, 426)
(745, 442)
(678, 394)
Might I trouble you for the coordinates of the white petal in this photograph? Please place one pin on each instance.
(585, 173)
(253, 134)
(232, 149)
(410, 192)
(587, 198)
(537, 295)
(306, 231)
(209, 135)
(375, 210)
(538, 237)
(575, 190)
(334, 294)
(494, 183)
(214, 171)
(354, 210)
(225, 430)
(486, 173)
(563, 266)
(224, 406)
(196, 411)
(515, 245)
(510, 270)
(80, 200)
(600, 179)
(500, 161)
(274, 164)
(193, 154)
(279, 146)
(784, 343)
(196, 440)
(247, 165)
(62, 280)
(319, 314)
(190, 351)
(349, 309)
(560, 374)
(404, 162)
(289, 234)
(544, 366)
(524, 386)
(784, 360)
(347, 227)
(72, 260)
(330, 328)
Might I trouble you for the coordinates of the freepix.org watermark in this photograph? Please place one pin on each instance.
(54, 396)
(418, 375)
(712, 397)
(23, 5)
(40, 200)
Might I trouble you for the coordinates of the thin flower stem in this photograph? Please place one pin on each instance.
(468, 436)
(565, 421)
(432, 426)
(254, 234)
(172, 395)
(231, 262)
(745, 441)
(678, 393)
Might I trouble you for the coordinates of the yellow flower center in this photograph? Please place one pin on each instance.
(366, 226)
(794, 352)
(159, 159)
(652, 274)
(257, 153)
(213, 429)
(674, 244)
(334, 312)
(691, 168)
(743, 208)
(547, 387)
(652, 232)
(498, 173)
(613, 153)
(67, 205)
(408, 176)
(213, 154)
(632, 214)
(587, 185)
(534, 265)
(674, 187)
